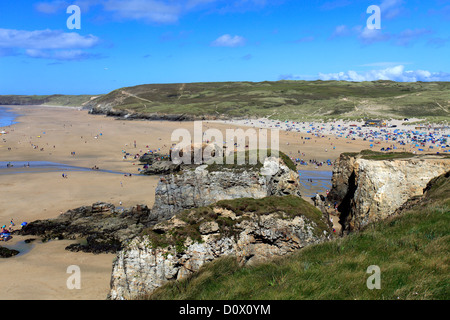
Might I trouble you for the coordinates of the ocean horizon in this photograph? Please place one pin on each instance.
(7, 117)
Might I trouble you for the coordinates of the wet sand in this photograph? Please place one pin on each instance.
(97, 141)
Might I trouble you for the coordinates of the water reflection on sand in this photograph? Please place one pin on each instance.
(321, 182)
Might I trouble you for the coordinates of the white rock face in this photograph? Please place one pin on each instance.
(200, 187)
(140, 268)
(375, 189)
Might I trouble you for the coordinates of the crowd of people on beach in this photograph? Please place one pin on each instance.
(5, 232)
(402, 136)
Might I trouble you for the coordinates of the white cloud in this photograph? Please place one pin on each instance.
(51, 7)
(45, 39)
(61, 55)
(153, 11)
(369, 36)
(146, 10)
(228, 41)
(406, 37)
(341, 31)
(291, 76)
(391, 8)
(397, 73)
(160, 11)
(47, 44)
(60, 6)
(384, 64)
(363, 34)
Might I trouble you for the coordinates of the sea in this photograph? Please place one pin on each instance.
(7, 117)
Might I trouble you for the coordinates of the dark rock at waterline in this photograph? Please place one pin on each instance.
(161, 168)
(7, 253)
(150, 158)
(96, 246)
(104, 226)
(125, 115)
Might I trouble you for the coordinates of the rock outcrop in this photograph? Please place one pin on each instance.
(7, 253)
(206, 184)
(103, 227)
(209, 211)
(110, 111)
(251, 230)
(369, 187)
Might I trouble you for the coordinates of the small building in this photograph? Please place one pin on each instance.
(375, 123)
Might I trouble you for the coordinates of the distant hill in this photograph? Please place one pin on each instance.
(283, 100)
(55, 100)
(280, 100)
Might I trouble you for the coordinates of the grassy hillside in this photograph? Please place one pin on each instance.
(411, 251)
(378, 155)
(55, 100)
(288, 100)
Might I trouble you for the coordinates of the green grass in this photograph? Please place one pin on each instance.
(246, 163)
(411, 251)
(278, 100)
(375, 155)
(287, 206)
(289, 100)
(55, 100)
(378, 155)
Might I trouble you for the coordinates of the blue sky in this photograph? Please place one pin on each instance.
(126, 43)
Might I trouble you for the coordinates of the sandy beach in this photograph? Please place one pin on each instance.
(71, 136)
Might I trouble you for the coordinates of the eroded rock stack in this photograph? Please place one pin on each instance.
(203, 185)
(369, 188)
(252, 230)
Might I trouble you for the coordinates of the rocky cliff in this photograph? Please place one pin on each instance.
(253, 230)
(370, 186)
(253, 212)
(206, 184)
